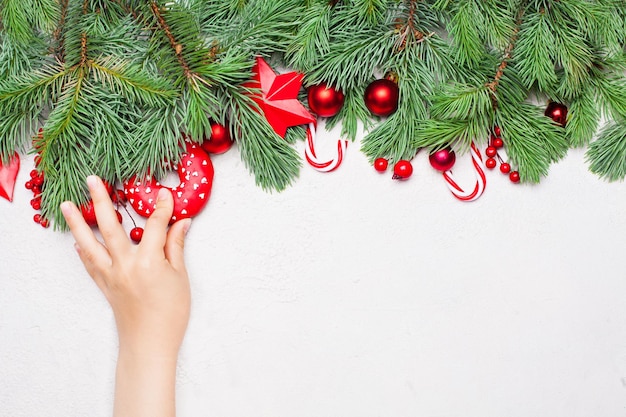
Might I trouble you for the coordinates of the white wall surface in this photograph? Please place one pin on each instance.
(349, 295)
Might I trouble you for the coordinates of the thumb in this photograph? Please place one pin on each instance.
(175, 244)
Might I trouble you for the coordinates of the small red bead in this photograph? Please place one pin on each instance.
(490, 163)
(37, 218)
(497, 143)
(497, 131)
(381, 164)
(402, 170)
(29, 185)
(136, 233)
(505, 168)
(491, 151)
(514, 176)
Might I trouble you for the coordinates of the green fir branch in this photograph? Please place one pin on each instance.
(607, 154)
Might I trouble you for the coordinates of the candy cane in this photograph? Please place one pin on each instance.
(312, 158)
(481, 179)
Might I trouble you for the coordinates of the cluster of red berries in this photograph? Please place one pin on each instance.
(402, 169)
(36, 185)
(493, 157)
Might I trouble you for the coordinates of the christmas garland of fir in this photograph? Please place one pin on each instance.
(112, 83)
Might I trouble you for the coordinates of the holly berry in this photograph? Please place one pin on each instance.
(381, 164)
(490, 163)
(34, 173)
(514, 177)
(136, 233)
(89, 213)
(505, 168)
(37, 218)
(491, 151)
(497, 143)
(402, 170)
(325, 101)
(119, 216)
(29, 185)
(36, 203)
(497, 131)
(44, 223)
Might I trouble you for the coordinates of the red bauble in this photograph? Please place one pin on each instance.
(381, 97)
(195, 172)
(505, 168)
(402, 170)
(89, 213)
(220, 140)
(136, 233)
(557, 112)
(381, 164)
(442, 160)
(325, 101)
(514, 176)
(491, 163)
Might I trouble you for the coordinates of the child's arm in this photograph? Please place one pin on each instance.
(148, 289)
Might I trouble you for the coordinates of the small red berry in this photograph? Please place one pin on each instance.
(37, 218)
(36, 203)
(45, 223)
(505, 168)
(37, 160)
(497, 142)
(381, 164)
(136, 233)
(34, 173)
(89, 213)
(119, 216)
(402, 170)
(514, 176)
(29, 185)
(36, 190)
(490, 163)
(120, 197)
(497, 131)
(38, 180)
(491, 151)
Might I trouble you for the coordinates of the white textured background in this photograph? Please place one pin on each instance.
(349, 295)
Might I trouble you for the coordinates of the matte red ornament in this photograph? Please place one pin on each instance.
(402, 170)
(195, 172)
(557, 112)
(220, 140)
(8, 176)
(381, 164)
(442, 160)
(381, 97)
(278, 97)
(325, 101)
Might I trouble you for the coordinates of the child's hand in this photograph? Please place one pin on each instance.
(146, 284)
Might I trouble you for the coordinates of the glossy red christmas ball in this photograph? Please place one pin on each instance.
(402, 170)
(381, 97)
(491, 163)
(220, 140)
(514, 176)
(505, 168)
(381, 164)
(136, 233)
(442, 160)
(325, 101)
(557, 112)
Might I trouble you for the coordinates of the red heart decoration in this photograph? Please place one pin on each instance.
(8, 175)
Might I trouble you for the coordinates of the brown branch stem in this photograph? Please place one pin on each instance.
(177, 47)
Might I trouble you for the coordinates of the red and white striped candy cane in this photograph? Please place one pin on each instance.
(311, 156)
(481, 179)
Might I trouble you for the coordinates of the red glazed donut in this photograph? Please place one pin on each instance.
(195, 172)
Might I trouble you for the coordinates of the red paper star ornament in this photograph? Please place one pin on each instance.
(8, 176)
(279, 97)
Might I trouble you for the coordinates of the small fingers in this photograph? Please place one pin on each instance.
(92, 253)
(108, 223)
(175, 244)
(155, 233)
